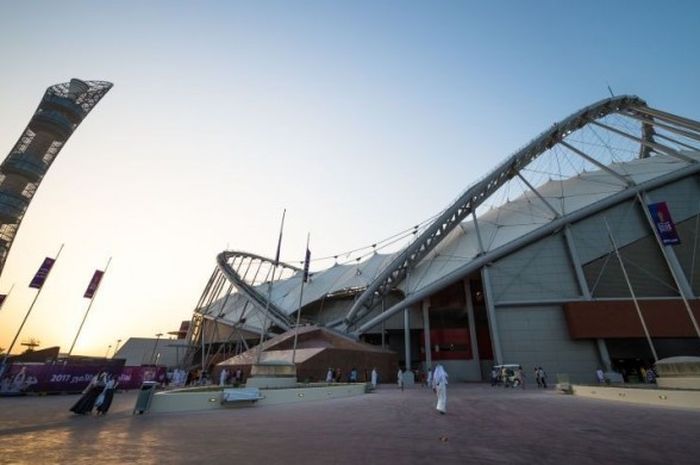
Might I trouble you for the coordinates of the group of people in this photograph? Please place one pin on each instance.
(336, 375)
(514, 376)
(642, 375)
(227, 377)
(98, 394)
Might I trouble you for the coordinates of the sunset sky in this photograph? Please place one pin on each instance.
(361, 118)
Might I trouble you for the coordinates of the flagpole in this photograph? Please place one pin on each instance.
(301, 296)
(269, 289)
(92, 299)
(26, 316)
(7, 296)
(629, 286)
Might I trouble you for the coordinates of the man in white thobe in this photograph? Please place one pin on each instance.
(329, 376)
(223, 376)
(374, 378)
(440, 388)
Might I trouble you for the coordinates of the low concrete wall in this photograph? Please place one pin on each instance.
(679, 382)
(178, 401)
(664, 397)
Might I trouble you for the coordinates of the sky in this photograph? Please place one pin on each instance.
(360, 118)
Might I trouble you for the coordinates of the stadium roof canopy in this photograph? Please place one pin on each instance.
(603, 154)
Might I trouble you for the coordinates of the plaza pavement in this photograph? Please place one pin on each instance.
(483, 425)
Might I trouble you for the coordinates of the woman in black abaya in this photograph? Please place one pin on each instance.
(107, 395)
(86, 402)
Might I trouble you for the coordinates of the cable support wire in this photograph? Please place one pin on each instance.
(379, 245)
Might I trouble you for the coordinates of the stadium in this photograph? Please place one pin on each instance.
(578, 251)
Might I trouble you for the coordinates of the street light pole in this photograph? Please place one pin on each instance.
(155, 346)
(116, 347)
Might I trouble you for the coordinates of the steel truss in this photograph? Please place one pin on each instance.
(478, 193)
(61, 110)
(655, 132)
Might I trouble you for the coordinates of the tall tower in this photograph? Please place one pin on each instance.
(62, 109)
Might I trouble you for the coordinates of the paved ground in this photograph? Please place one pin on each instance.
(483, 425)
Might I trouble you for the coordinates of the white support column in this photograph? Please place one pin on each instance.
(576, 262)
(383, 328)
(472, 323)
(604, 354)
(491, 311)
(671, 259)
(426, 334)
(407, 337)
(585, 292)
(667, 251)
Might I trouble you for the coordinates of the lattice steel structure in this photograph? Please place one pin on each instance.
(60, 112)
(530, 234)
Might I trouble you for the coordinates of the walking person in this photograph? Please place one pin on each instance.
(399, 378)
(537, 377)
(440, 388)
(86, 403)
(374, 378)
(223, 377)
(543, 377)
(429, 379)
(330, 376)
(107, 395)
(494, 376)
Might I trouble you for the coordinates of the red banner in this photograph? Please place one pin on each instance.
(94, 284)
(42, 273)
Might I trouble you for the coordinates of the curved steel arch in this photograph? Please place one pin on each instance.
(276, 315)
(467, 203)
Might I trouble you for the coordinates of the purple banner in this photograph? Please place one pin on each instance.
(58, 377)
(42, 273)
(94, 284)
(664, 224)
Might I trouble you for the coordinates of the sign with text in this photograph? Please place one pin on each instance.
(59, 376)
(664, 224)
(94, 284)
(42, 273)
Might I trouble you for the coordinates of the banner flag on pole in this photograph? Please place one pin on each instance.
(664, 224)
(2, 299)
(42, 273)
(94, 284)
(307, 260)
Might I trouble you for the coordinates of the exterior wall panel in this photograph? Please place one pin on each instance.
(538, 336)
(541, 271)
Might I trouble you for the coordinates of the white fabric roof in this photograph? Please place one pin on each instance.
(498, 227)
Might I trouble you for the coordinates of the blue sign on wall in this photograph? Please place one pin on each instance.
(664, 223)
